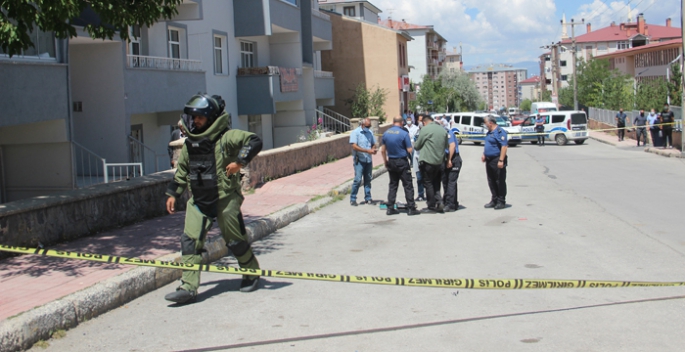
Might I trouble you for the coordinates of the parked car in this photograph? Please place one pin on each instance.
(518, 119)
(470, 126)
(560, 126)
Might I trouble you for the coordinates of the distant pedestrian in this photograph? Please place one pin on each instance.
(450, 174)
(495, 159)
(621, 124)
(404, 115)
(654, 128)
(396, 150)
(432, 143)
(667, 120)
(446, 122)
(540, 129)
(415, 161)
(363, 147)
(412, 117)
(640, 122)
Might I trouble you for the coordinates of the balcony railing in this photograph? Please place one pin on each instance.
(163, 63)
(323, 74)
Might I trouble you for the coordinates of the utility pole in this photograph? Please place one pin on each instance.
(682, 84)
(574, 52)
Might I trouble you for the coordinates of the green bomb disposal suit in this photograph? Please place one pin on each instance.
(202, 168)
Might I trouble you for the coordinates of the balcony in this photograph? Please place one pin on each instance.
(162, 63)
(258, 18)
(322, 31)
(324, 87)
(260, 88)
(154, 84)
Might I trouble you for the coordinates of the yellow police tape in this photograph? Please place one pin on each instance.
(502, 284)
(469, 135)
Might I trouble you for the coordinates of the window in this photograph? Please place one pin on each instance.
(174, 43)
(558, 118)
(247, 58)
(220, 57)
(294, 2)
(479, 121)
(562, 63)
(44, 46)
(564, 77)
(134, 45)
(254, 125)
(623, 45)
(466, 120)
(349, 11)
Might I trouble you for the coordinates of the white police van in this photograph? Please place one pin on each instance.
(560, 126)
(470, 127)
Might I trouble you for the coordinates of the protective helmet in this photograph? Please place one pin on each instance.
(210, 107)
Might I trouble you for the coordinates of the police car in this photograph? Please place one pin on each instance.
(560, 126)
(470, 127)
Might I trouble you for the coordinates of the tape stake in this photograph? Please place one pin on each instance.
(478, 284)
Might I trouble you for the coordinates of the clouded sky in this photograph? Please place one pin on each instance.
(499, 31)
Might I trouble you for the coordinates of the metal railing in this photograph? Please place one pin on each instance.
(344, 119)
(609, 116)
(323, 74)
(162, 63)
(122, 171)
(90, 168)
(138, 155)
(332, 124)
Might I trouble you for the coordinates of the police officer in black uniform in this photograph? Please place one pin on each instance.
(495, 159)
(396, 150)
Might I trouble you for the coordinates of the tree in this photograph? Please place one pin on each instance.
(525, 105)
(599, 87)
(367, 102)
(458, 91)
(675, 87)
(19, 18)
(651, 94)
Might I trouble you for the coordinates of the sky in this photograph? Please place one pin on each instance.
(511, 31)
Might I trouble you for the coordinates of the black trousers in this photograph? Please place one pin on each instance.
(668, 136)
(432, 175)
(641, 131)
(497, 179)
(656, 140)
(541, 137)
(449, 182)
(621, 131)
(399, 169)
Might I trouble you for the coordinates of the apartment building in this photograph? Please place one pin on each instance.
(610, 39)
(453, 61)
(365, 52)
(94, 103)
(361, 10)
(647, 62)
(426, 52)
(530, 89)
(498, 84)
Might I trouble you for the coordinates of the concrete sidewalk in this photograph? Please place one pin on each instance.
(39, 295)
(610, 139)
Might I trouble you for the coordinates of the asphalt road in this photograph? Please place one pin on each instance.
(575, 212)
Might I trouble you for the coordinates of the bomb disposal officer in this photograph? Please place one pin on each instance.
(396, 150)
(495, 159)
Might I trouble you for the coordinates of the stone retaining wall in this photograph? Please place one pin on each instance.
(596, 125)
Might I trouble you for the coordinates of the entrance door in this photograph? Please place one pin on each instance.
(136, 149)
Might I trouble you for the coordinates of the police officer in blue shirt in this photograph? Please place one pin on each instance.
(495, 159)
(396, 150)
(451, 174)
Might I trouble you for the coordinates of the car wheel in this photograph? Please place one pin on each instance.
(533, 142)
(476, 143)
(561, 139)
(512, 144)
(579, 141)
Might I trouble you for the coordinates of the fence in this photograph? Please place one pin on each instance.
(90, 167)
(609, 116)
(138, 154)
(122, 171)
(331, 123)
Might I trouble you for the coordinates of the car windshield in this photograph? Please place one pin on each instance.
(501, 121)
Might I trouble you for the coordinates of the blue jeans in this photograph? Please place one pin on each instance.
(365, 170)
(419, 182)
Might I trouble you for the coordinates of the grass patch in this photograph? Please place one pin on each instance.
(42, 344)
(59, 334)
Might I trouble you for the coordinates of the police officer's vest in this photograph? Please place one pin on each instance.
(202, 173)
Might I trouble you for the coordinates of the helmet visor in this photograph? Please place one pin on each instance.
(198, 102)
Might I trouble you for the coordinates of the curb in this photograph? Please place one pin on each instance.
(653, 150)
(27, 328)
(602, 141)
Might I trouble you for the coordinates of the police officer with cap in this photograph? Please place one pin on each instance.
(396, 150)
(495, 159)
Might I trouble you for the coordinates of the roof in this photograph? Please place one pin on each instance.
(534, 79)
(405, 26)
(323, 2)
(614, 33)
(496, 68)
(672, 42)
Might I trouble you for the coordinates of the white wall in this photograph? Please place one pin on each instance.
(417, 56)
